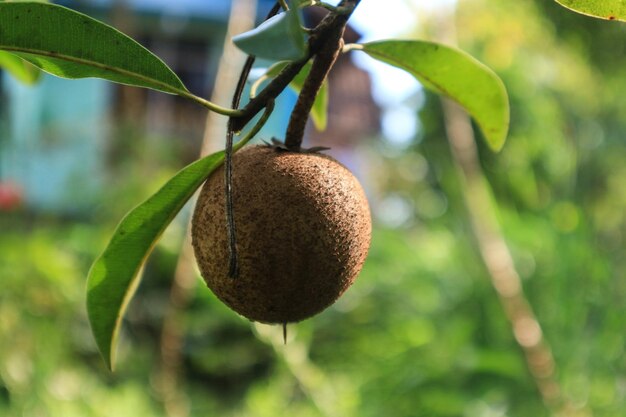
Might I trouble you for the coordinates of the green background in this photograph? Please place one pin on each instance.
(421, 333)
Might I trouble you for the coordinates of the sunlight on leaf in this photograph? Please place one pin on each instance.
(115, 275)
(454, 74)
(603, 9)
(69, 44)
(20, 69)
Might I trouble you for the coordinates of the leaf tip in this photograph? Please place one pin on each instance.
(496, 148)
(110, 363)
(496, 139)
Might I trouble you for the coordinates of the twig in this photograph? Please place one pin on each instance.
(325, 43)
(228, 162)
(228, 173)
(326, 28)
(322, 64)
(283, 4)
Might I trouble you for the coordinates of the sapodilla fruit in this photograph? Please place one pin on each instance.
(303, 229)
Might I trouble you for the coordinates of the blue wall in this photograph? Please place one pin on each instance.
(53, 138)
(54, 133)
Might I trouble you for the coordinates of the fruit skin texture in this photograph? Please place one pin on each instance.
(303, 229)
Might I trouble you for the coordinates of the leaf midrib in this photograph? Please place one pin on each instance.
(166, 87)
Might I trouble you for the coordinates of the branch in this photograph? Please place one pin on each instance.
(322, 63)
(335, 21)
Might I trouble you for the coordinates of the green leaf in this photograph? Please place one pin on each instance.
(604, 9)
(69, 44)
(18, 68)
(319, 111)
(114, 276)
(25, 1)
(454, 74)
(278, 38)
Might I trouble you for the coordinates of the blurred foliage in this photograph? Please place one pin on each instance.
(421, 333)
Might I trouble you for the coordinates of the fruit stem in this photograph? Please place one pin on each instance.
(322, 63)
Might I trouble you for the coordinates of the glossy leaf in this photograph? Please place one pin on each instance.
(454, 74)
(278, 38)
(115, 275)
(603, 9)
(319, 111)
(69, 44)
(25, 1)
(18, 68)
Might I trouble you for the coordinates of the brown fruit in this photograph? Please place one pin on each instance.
(303, 230)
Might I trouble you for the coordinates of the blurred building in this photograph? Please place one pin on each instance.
(58, 137)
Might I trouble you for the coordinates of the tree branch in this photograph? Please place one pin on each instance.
(322, 63)
(327, 27)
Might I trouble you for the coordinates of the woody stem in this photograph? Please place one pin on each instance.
(322, 63)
